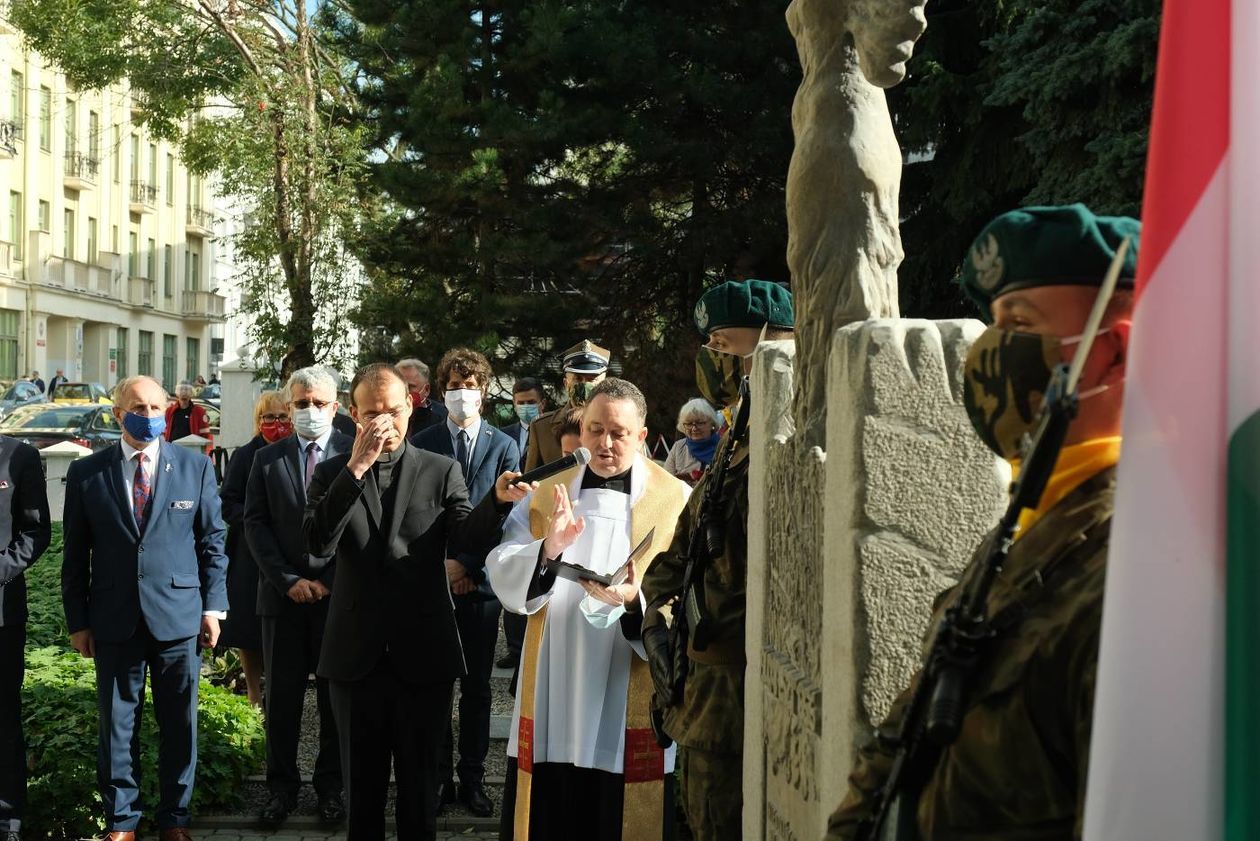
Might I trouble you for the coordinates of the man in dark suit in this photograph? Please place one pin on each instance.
(425, 412)
(143, 582)
(59, 377)
(528, 402)
(24, 535)
(293, 591)
(391, 648)
(483, 453)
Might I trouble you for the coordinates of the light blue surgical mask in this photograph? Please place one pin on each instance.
(527, 412)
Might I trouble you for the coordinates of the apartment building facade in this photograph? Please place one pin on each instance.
(108, 262)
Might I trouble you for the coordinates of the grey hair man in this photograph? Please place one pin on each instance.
(424, 412)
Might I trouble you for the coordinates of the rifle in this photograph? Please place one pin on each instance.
(691, 623)
(935, 712)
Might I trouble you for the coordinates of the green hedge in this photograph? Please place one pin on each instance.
(59, 709)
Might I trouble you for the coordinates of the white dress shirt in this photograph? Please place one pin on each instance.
(151, 451)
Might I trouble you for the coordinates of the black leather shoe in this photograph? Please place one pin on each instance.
(332, 809)
(276, 812)
(474, 797)
(446, 795)
(507, 661)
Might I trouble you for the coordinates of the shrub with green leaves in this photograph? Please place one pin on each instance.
(60, 715)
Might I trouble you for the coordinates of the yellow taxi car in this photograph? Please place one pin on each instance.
(81, 393)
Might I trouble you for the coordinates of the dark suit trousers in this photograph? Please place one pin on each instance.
(478, 621)
(381, 718)
(12, 745)
(291, 643)
(120, 672)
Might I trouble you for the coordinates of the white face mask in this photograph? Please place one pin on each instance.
(463, 403)
(311, 422)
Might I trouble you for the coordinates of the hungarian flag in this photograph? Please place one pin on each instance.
(1176, 740)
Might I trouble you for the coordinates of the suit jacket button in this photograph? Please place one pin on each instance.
(140, 549)
(140, 576)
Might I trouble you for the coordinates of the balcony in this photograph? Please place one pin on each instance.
(143, 197)
(200, 222)
(73, 276)
(205, 306)
(10, 134)
(81, 171)
(140, 292)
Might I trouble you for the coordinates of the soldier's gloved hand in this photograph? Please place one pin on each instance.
(660, 662)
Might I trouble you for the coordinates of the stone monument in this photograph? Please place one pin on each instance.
(844, 246)
(868, 496)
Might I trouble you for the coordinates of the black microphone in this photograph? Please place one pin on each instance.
(579, 456)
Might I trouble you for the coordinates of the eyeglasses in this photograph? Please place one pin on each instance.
(696, 424)
(275, 418)
(306, 404)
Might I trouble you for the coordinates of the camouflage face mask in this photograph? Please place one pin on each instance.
(579, 393)
(718, 376)
(1004, 384)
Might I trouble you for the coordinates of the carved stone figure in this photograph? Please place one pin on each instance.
(844, 246)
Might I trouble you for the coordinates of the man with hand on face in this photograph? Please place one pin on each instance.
(585, 366)
(1016, 771)
(708, 720)
(293, 595)
(424, 411)
(583, 762)
(391, 649)
(143, 583)
(483, 453)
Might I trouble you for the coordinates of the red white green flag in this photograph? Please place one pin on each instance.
(1176, 741)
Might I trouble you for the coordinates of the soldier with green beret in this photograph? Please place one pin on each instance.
(707, 721)
(1016, 770)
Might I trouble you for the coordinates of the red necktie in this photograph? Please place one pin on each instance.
(141, 492)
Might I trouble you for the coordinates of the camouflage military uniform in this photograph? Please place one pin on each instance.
(708, 724)
(1017, 770)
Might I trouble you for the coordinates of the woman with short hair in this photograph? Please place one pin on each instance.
(691, 454)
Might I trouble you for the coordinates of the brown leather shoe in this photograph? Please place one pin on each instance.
(121, 835)
(175, 833)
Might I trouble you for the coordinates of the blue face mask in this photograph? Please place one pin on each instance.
(527, 412)
(143, 429)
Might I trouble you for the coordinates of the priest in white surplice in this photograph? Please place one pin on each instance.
(583, 762)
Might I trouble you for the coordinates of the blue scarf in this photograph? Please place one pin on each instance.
(702, 451)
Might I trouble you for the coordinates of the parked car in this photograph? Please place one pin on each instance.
(16, 394)
(211, 393)
(81, 393)
(213, 414)
(44, 424)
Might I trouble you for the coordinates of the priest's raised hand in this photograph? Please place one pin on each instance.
(564, 527)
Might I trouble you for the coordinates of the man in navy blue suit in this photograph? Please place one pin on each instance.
(483, 453)
(143, 583)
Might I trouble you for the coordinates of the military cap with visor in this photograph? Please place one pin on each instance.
(585, 357)
(747, 303)
(1047, 246)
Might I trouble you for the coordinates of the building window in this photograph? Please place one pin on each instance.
(168, 361)
(170, 179)
(15, 223)
(72, 126)
(135, 157)
(192, 270)
(144, 358)
(133, 256)
(193, 364)
(116, 151)
(45, 119)
(153, 161)
(168, 271)
(9, 323)
(151, 259)
(121, 352)
(17, 97)
(113, 238)
(92, 252)
(94, 136)
(67, 244)
(45, 216)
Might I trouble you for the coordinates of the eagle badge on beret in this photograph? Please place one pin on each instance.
(986, 259)
(702, 316)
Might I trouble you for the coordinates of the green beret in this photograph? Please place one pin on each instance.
(1047, 246)
(748, 303)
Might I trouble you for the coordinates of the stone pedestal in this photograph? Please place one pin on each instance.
(847, 549)
(57, 460)
(240, 391)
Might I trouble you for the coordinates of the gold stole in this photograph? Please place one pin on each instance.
(644, 769)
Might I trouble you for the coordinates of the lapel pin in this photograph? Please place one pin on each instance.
(168, 467)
